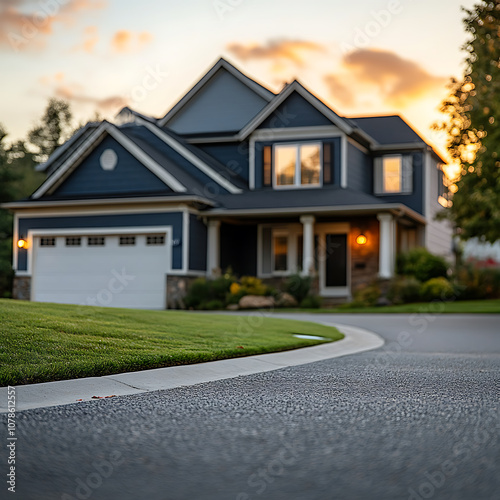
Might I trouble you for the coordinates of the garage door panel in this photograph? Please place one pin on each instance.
(111, 275)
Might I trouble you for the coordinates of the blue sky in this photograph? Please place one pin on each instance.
(360, 57)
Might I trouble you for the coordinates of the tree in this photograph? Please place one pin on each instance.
(54, 128)
(473, 108)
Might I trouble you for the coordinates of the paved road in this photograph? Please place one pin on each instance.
(418, 418)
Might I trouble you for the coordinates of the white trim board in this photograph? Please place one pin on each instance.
(280, 98)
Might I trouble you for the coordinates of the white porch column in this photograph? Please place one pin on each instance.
(308, 244)
(213, 248)
(387, 250)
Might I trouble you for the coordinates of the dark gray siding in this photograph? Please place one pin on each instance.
(197, 244)
(295, 112)
(336, 156)
(359, 170)
(232, 155)
(129, 175)
(414, 200)
(173, 219)
(238, 246)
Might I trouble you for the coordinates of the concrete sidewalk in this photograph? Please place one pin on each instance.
(70, 391)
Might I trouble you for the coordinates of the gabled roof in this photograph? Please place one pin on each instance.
(295, 86)
(391, 129)
(220, 64)
(127, 115)
(64, 150)
(106, 128)
(212, 169)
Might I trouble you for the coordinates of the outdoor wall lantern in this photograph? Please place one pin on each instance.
(22, 243)
(361, 239)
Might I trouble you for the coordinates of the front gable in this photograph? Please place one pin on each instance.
(295, 111)
(110, 170)
(223, 104)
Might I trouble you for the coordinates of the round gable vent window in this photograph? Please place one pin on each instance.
(108, 159)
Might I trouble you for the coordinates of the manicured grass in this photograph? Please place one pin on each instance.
(455, 307)
(45, 342)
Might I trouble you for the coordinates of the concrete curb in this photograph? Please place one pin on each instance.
(69, 391)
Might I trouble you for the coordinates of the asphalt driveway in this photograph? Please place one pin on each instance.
(417, 418)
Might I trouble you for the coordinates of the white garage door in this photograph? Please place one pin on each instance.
(127, 270)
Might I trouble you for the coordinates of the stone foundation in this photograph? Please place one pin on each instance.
(177, 287)
(21, 289)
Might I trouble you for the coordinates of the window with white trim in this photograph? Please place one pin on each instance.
(297, 165)
(127, 240)
(47, 242)
(393, 174)
(95, 241)
(155, 240)
(73, 241)
(280, 252)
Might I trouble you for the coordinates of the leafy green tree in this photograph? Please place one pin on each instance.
(473, 109)
(54, 128)
(7, 178)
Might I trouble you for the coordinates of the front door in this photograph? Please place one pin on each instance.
(334, 266)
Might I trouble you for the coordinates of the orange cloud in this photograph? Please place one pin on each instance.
(276, 51)
(91, 39)
(127, 41)
(74, 93)
(340, 92)
(397, 80)
(26, 24)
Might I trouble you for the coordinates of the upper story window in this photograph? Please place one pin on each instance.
(393, 174)
(297, 165)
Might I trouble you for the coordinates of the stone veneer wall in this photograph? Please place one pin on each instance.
(177, 287)
(21, 289)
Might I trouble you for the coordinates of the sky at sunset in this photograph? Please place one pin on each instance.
(360, 57)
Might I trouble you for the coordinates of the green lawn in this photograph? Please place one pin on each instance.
(45, 342)
(456, 307)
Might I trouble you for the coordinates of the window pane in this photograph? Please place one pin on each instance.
(280, 253)
(310, 166)
(285, 161)
(392, 175)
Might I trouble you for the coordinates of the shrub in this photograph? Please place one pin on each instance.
(404, 289)
(198, 292)
(311, 302)
(421, 264)
(253, 285)
(212, 305)
(366, 296)
(474, 283)
(204, 291)
(298, 286)
(437, 288)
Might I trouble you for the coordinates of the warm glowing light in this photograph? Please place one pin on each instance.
(22, 243)
(361, 239)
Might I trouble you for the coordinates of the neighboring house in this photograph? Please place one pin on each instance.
(232, 176)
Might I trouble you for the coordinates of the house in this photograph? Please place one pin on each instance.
(131, 212)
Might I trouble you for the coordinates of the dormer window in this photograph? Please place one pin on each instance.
(297, 165)
(394, 174)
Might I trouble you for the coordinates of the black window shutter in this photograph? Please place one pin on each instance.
(327, 163)
(267, 165)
